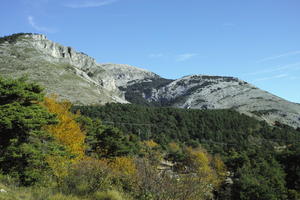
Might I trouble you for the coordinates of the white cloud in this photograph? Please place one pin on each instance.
(90, 3)
(186, 56)
(272, 77)
(291, 53)
(32, 22)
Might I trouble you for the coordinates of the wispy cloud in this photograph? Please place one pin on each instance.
(291, 53)
(32, 23)
(272, 77)
(292, 66)
(156, 55)
(186, 56)
(90, 3)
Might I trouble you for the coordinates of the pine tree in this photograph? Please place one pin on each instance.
(24, 144)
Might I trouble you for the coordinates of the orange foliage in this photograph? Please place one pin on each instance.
(67, 131)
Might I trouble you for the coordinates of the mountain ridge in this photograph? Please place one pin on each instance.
(79, 78)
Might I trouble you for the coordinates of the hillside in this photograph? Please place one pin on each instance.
(227, 128)
(258, 156)
(79, 78)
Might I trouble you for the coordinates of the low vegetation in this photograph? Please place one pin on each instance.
(12, 38)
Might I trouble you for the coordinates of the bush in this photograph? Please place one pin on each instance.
(87, 177)
(63, 197)
(108, 195)
(12, 38)
(12, 192)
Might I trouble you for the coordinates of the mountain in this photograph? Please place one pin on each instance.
(73, 75)
(216, 92)
(79, 78)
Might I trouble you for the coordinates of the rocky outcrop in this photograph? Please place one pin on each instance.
(83, 64)
(53, 50)
(125, 75)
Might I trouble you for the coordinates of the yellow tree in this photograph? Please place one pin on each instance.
(152, 151)
(219, 166)
(205, 169)
(123, 165)
(67, 133)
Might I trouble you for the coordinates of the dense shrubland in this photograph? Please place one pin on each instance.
(122, 152)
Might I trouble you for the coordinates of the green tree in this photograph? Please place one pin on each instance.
(260, 178)
(106, 141)
(23, 141)
(290, 160)
(112, 142)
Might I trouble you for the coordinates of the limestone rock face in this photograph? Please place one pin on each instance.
(216, 92)
(211, 92)
(126, 75)
(79, 78)
(55, 51)
(61, 70)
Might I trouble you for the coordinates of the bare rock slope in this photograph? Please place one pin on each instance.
(80, 79)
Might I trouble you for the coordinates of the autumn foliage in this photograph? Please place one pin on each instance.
(67, 131)
(123, 165)
(210, 170)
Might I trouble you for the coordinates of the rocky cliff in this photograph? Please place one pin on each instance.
(80, 79)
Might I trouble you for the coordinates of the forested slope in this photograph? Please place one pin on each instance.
(190, 126)
(263, 160)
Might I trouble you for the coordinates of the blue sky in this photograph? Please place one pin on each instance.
(256, 40)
